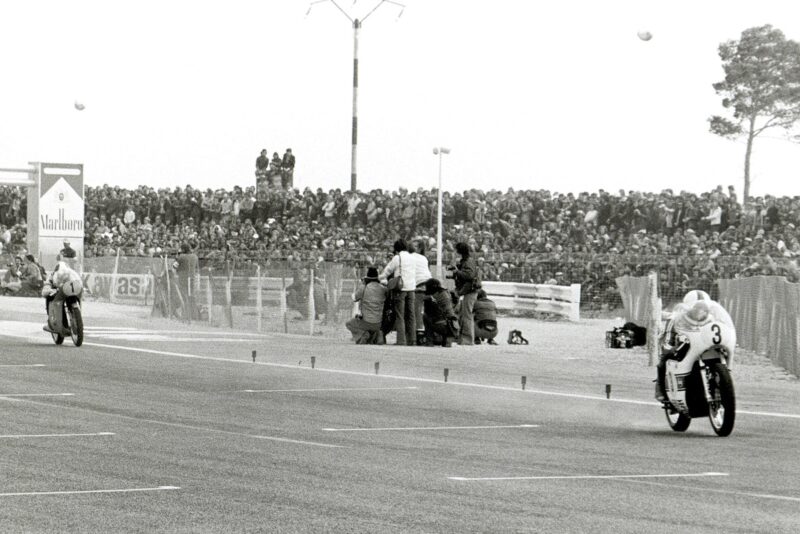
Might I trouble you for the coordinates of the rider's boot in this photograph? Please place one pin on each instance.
(51, 321)
(661, 373)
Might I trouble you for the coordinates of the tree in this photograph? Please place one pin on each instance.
(761, 87)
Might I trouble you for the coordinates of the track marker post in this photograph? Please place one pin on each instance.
(524, 381)
(313, 361)
(446, 373)
(377, 367)
(608, 391)
(254, 356)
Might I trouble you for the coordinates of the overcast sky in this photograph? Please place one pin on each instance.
(557, 95)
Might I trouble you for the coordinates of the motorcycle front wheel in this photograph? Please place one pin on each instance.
(676, 420)
(76, 326)
(722, 408)
(58, 338)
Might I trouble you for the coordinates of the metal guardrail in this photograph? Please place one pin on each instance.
(559, 300)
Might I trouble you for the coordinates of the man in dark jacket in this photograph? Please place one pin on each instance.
(485, 314)
(438, 314)
(468, 282)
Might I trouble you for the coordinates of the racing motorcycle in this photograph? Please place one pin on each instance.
(698, 381)
(69, 321)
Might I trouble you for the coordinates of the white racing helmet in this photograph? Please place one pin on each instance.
(694, 295)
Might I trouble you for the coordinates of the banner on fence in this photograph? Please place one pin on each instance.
(125, 288)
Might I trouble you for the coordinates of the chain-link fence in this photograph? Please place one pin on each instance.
(764, 309)
(279, 296)
(766, 312)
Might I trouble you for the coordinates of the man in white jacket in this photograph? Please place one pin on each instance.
(402, 266)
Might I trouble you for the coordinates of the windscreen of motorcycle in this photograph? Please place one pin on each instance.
(72, 288)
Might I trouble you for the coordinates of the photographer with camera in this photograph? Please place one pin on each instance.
(468, 282)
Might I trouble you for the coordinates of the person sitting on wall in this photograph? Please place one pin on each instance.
(485, 313)
(12, 280)
(32, 279)
(67, 253)
(366, 326)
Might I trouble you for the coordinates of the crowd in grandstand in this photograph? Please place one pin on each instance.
(517, 235)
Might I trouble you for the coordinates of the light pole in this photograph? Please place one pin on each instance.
(356, 27)
(440, 151)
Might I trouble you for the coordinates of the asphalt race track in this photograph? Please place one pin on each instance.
(172, 428)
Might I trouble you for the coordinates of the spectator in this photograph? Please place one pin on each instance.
(439, 319)
(287, 166)
(12, 279)
(262, 165)
(371, 295)
(485, 314)
(67, 253)
(31, 275)
(422, 273)
(186, 267)
(403, 267)
(468, 282)
(275, 174)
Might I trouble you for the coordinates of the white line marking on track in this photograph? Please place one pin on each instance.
(83, 492)
(14, 436)
(321, 390)
(674, 487)
(588, 477)
(769, 414)
(37, 394)
(22, 365)
(400, 428)
(185, 426)
(121, 330)
(408, 378)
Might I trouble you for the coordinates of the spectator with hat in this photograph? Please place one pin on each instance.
(371, 296)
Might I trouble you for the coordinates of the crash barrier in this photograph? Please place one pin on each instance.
(766, 312)
(564, 301)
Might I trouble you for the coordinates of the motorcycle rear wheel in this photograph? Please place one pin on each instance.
(722, 409)
(676, 420)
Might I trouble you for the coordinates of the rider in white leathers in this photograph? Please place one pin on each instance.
(696, 310)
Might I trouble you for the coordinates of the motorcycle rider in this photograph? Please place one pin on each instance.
(62, 274)
(695, 310)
